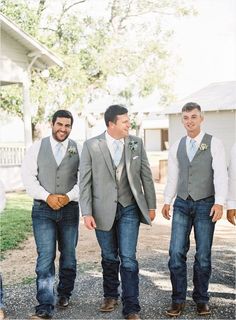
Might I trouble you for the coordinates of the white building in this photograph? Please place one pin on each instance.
(218, 102)
(20, 53)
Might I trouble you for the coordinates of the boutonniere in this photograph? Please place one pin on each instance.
(72, 150)
(203, 146)
(133, 145)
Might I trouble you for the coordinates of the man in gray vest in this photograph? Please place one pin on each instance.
(197, 174)
(50, 176)
(116, 194)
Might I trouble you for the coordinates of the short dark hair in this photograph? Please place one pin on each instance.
(112, 112)
(190, 106)
(62, 114)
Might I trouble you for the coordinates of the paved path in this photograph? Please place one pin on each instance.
(155, 289)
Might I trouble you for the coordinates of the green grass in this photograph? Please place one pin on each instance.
(28, 280)
(15, 221)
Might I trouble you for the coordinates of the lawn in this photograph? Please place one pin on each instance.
(15, 221)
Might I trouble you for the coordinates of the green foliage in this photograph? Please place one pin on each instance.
(128, 39)
(11, 101)
(15, 221)
(23, 15)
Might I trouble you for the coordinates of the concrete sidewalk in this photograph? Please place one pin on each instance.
(155, 288)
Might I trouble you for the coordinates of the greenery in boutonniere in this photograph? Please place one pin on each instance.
(72, 150)
(133, 145)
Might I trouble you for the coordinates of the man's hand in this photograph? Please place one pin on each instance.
(231, 216)
(152, 214)
(89, 222)
(216, 212)
(166, 211)
(53, 202)
(63, 199)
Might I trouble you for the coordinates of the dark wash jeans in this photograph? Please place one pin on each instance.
(50, 227)
(118, 249)
(188, 214)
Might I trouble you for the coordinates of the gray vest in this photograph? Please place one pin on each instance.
(53, 178)
(195, 177)
(124, 194)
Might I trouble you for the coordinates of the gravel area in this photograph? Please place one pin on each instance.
(155, 288)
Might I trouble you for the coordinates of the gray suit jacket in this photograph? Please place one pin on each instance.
(98, 193)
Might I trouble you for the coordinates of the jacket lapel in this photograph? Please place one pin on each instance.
(106, 153)
(127, 153)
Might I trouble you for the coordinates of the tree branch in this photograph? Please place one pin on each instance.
(73, 4)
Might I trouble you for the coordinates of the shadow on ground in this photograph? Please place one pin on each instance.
(155, 289)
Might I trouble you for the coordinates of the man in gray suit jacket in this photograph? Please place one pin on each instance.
(116, 194)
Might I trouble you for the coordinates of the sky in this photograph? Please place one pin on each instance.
(206, 44)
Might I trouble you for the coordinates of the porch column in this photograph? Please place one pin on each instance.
(27, 112)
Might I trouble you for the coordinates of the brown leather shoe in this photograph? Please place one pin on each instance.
(203, 309)
(108, 305)
(133, 316)
(63, 302)
(176, 309)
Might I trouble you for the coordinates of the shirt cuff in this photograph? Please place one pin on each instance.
(219, 200)
(71, 195)
(45, 196)
(168, 200)
(231, 204)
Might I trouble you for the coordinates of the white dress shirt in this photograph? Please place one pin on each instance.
(219, 167)
(110, 140)
(30, 172)
(231, 198)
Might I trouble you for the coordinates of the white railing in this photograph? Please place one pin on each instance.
(11, 155)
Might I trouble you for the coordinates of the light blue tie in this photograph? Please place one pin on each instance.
(192, 149)
(58, 153)
(117, 152)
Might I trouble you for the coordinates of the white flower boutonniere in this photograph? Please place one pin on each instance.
(133, 145)
(72, 150)
(203, 146)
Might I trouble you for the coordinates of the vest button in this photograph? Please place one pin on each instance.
(115, 201)
(58, 185)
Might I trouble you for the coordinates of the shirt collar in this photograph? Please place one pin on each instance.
(198, 138)
(55, 142)
(110, 139)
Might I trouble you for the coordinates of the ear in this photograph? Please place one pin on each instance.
(111, 124)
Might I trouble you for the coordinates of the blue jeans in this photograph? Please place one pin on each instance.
(188, 214)
(118, 249)
(50, 227)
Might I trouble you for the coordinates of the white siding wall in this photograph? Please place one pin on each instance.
(221, 124)
(152, 138)
(13, 59)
